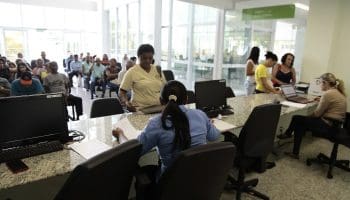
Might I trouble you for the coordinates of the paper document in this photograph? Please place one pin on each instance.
(223, 126)
(89, 148)
(130, 132)
(293, 104)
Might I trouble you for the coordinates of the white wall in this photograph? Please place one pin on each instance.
(327, 41)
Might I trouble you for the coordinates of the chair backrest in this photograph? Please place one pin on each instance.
(191, 98)
(105, 176)
(229, 92)
(169, 75)
(198, 173)
(258, 133)
(347, 122)
(105, 107)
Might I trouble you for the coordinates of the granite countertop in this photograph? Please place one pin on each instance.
(62, 162)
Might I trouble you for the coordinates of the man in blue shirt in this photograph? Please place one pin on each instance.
(25, 85)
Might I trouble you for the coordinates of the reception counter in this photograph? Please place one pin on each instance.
(59, 164)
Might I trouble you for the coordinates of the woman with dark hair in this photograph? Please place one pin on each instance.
(252, 61)
(284, 73)
(177, 128)
(329, 113)
(263, 77)
(145, 81)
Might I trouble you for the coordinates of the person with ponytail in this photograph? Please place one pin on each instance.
(177, 128)
(329, 113)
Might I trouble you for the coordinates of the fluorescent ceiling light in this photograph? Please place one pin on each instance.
(302, 6)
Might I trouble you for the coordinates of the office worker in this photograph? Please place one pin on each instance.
(263, 77)
(144, 80)
(329, 112)
(284, 73)
(252, 61)
(177, 128)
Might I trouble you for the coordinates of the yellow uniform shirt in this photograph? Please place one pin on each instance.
(261, 72)
(145, 86)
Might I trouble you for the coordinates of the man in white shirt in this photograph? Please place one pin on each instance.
(76, 70)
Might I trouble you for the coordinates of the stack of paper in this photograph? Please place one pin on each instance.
(130, 132)
(223, 126)
(293, 104)
(89, 148)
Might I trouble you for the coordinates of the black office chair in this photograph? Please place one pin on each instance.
(341, 136)
(254, 144)
(105, 107)
(105, 176)
(197, 173)
(191, 97)
(229, 92)
(169, 75)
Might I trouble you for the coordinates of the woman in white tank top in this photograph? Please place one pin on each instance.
(252, 62)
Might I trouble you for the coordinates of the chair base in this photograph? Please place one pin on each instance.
(323, 159)
(245, 187)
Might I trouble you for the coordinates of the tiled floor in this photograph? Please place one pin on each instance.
(290, 179)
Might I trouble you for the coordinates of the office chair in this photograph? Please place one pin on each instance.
(341, 136)
(191, 98)
(105, 176)
(254, 144)
(198, 173)
(105, 107)
(169, 75)
(229, 92)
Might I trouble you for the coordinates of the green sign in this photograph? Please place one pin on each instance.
(271, 12)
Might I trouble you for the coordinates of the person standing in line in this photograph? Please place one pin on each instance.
(252, 61)
(263, 77)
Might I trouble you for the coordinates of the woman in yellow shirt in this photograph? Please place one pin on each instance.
(263, 77)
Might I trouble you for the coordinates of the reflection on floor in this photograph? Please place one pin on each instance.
(290, 179)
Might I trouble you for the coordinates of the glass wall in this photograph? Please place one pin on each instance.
(31, 29)
(189, 37)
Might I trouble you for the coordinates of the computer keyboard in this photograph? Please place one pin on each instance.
(30, 150)
(226, 112)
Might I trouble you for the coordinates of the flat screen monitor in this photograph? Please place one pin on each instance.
(32, 119)
(210, 95)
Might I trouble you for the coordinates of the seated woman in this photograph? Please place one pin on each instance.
(144, 80)
(329, 112)
(176, 129)
(263, 77)
(284, 73)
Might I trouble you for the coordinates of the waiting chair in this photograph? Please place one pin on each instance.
(229, 92)
(169, 75)
(105, 107)
(191, 97)
(198, 173)
(106, 176)
(254, 144)
(341, 136)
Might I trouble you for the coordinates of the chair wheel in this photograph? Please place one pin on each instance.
(308, 162)
(329, 175)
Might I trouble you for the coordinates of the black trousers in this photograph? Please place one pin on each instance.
(76, 102)
(300, 124)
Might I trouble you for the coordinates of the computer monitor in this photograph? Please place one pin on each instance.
(210, 95)
(32, 119)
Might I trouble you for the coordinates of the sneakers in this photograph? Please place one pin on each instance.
(283, 136)
(292, 155)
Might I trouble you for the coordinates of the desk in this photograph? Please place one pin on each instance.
(58, 164)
